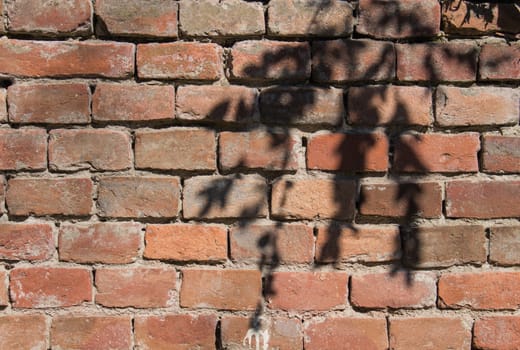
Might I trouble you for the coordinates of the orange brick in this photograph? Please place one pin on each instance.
(23, 332)
(26, 241)
(499, 62)
(23, 149)
(504, 245)
(497, 332)
(501, 154)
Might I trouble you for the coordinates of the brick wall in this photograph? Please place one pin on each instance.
(194, 174)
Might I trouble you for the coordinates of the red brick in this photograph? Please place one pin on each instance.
(43, 287)
(57, 196)
(186, 242)
(221, 289)
(23, 149)
(95, 149)
(429, 333)
(399, 290)
(91, 332)
(284, 333)
(175, 332)
(405, 199)
(360, 243)
(499, 62)
(480, 290)
(266, 150)
(497, 333)
(37, 59)
(445, 246)
(179, 60)
(296, 197)
(267, 60)
(61, 103)
(229, 18)
(107, 243)
(140, 287)
(309, 18)
(346, 333)
(437, 153)
(452, 61)
(308, 291)
(398, 19)
(288, 243)
(73, 17)
(501, 154)
(26, 241)
(132, 102)
(175, 149)
(476, 106)
(504, 245)
(3, 103)
(150, 18)
(366, 152)
(302, 106)
(229, 104)
(390, 105)
(482, 199)
(4, 298)
(2, 194)
(218, 197)
(139, 197)
(346, 60)
(23, 332)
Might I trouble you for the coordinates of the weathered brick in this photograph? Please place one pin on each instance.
(308, 291)
(348, 152)
(346, 60)
(43, 287)
(72, 17)
(2, 26)
(91, 332)
(140, 287)
(3, 104)
(175, 149)
(499, 62)
(228, 18)
(308, 198)
(390, 105)
(2, 194)
(95, 149)
(268, 61)
(56, 103)
(360, 243)
(23, 332)
(176, 332)
(480, 290)
(497, 333)
(4, 298)
(284, 333)
(26, 241)
(452, 61)
(482, 199)
(288, 243)
(296, 18)
(445, 245)
(504, 245)
(302, 106)
(125, 102)
(221, 289)
(477, 106)
(214, 197)
(405, 199)
(346, 333)
(139, 197)
(107, 243)
(267, 150)
(501, 154)
(186, 242)
(23, 149)
(57, 196)
(179, 60)
(149, 18)
(437, 153)
(229, 104)
(399, 290)
(59, 59)
(429, 333)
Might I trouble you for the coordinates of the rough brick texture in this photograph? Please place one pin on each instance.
(497, 332)
(24, 331)
(23, 149)
(31, 242)
(501, 154)
(504, 245)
